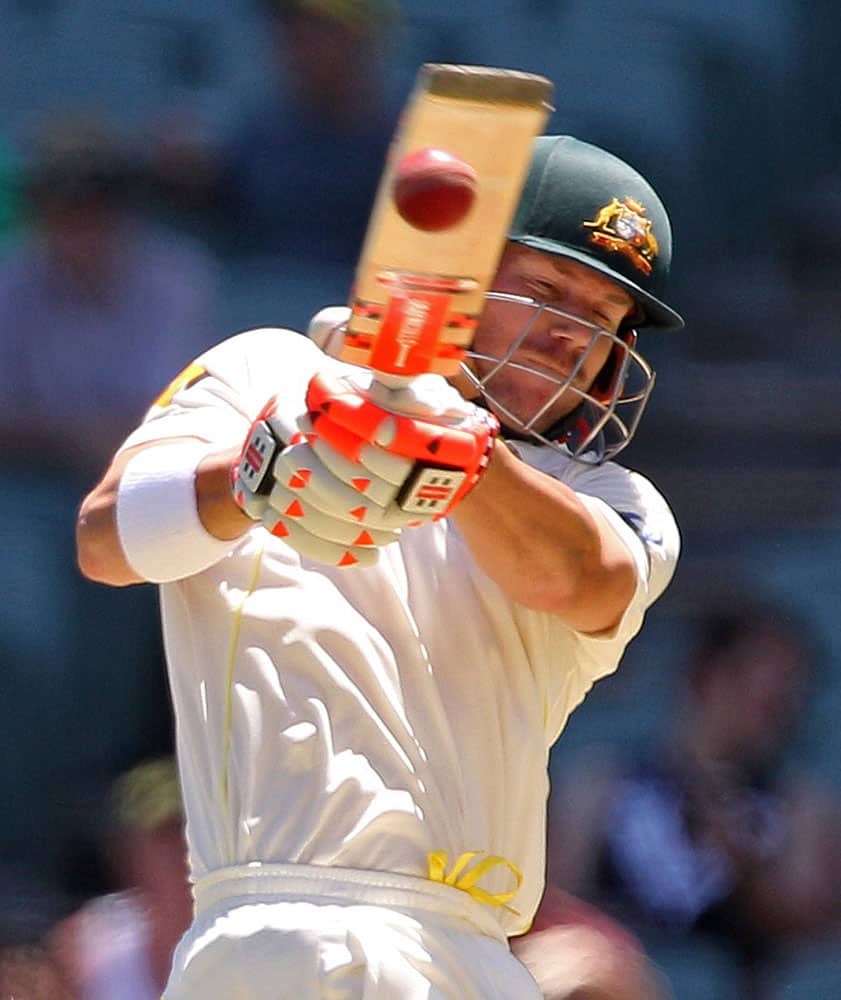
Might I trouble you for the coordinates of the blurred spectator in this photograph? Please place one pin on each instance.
(119, 946)
(708, 832)
(98, 308)
(298, 173)
(28, 972)
(29, 907)
(576, 952)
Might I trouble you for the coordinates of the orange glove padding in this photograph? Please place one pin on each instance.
(448, 440)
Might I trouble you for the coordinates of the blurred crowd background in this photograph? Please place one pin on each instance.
(172, 172)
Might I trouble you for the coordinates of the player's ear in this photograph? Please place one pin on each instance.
(327, 329)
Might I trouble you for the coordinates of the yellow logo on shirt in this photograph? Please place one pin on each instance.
(189, 376)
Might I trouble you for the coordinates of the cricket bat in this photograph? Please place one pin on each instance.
(417, 295)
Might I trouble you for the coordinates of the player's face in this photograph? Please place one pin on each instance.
(555, 341)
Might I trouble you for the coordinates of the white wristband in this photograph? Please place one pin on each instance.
(161, 534)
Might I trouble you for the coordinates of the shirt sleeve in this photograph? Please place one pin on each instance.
(217, 396)
(635, 508)
(642, 518)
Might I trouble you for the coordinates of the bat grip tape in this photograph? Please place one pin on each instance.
(161, 534)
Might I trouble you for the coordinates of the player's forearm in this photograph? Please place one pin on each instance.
(544, 547)
(100, 552)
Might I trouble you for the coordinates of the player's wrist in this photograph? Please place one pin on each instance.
(221, 516)
(161, 533)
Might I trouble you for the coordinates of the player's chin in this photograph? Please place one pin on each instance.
(520, 420)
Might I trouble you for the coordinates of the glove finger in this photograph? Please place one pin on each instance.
(427, 441)
(377, 473)
(295, 505)
(300, 472)
(339, 412)
(318, 549)
(428, 395)
(386, 465)
(391, 467)
(356, 475)
(327, 328)
(362, 477)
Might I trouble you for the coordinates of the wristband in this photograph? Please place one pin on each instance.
(158, 524)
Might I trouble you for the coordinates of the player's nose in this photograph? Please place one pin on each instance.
(569, 334)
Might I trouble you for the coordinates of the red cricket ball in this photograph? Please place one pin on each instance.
(433, 189)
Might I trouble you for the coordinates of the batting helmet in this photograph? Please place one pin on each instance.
(585, 204)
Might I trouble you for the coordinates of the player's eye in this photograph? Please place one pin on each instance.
(606, 317)
(545, 291)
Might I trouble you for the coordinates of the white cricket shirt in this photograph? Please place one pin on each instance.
(367, 717)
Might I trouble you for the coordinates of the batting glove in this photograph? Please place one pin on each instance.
(423, 438)
(280, 481)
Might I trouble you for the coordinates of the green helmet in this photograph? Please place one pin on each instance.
(584, 203)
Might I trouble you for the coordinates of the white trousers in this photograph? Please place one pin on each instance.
(303, 932)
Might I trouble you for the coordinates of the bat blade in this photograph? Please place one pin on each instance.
(418, 295)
